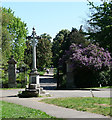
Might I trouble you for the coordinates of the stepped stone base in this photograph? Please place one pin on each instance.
(32, 91)
(28, 94)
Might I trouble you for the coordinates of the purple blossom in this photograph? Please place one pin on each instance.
(92, 56)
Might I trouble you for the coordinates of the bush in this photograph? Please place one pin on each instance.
(21, 85)
(92, 64)
(85, 78)
(105, 78)
(61, 81)
(4, 78)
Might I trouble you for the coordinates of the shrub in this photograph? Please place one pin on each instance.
(89, 62)
(4, 77)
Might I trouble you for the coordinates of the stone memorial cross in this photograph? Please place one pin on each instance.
(34, 76)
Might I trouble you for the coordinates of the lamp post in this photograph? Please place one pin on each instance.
(34, 76)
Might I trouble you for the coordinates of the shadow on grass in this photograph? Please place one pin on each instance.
(83, 89)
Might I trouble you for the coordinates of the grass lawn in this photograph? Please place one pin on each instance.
(100, 87)
(10, 110)
(9, 88)
(88, 104)
(41, 73)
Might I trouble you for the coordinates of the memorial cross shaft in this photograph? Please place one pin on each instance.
(33, 88)
(34, 76)
(34, 43)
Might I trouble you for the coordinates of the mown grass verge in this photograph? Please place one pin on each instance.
(88, 104)
(100, 87)
(11, 110)
(10, 88)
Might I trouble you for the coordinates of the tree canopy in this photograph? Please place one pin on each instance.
(100, 23)
(91, 65)
(44, 53)
(60, 44)
(64, 39)
(14, 32)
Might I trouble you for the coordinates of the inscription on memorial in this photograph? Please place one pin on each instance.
(33, 80)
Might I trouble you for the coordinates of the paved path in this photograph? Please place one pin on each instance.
(59, 112)
(47, 81)
(49, 84)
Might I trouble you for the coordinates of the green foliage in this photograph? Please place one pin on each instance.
(4, 76)
(77, 37)
(63, 81)
(19, 85)
(28, 54)
(20, 77)
(14, 33)
(44, 54)
(20, 32)
(60, 44)
(7, 38)
(105, 78)
(100, 23)
(41, 73)
(89, 64)
(89, 104)
(64, 39)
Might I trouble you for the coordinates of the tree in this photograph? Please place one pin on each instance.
(19, 42)
(28, 55)
(60, 43)
(100, 22)
(63, 40)
(14, 33)
(77, 37)
(7, 38)
(13, 36)
(89, 64)
(44, 53)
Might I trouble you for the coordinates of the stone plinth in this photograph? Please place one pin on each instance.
(70, 80)
(70, 84)
(33, 88)
(12, 73)
(34, 79)
(32, 91)
(29, 94)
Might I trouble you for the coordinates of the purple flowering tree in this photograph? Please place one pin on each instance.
(91, 58)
